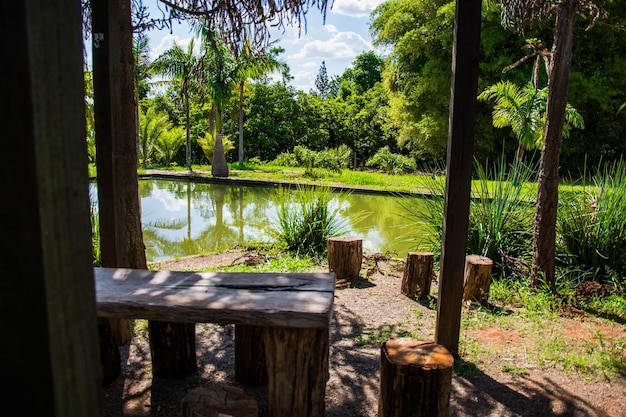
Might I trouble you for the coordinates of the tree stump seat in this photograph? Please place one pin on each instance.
(415, 379)
(218, 400)
(345, 255)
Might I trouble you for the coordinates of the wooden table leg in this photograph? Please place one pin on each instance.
(297, 370)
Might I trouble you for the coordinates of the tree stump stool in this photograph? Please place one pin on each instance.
(477, 279)
(218, 400)
(415, 379)
(345, 255)
(418, 272)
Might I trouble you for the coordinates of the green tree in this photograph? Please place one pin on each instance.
(184, 68)
(152, 124)
(168, 144)
(143, 66)
(365, 71)
(322, 82)
(519, 14)
(418, 72)
(251, 63)
(221, 78)
(523, 109)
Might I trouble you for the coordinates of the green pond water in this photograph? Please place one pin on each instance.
(182, 218)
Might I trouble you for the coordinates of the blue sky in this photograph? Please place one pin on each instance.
(344, 35)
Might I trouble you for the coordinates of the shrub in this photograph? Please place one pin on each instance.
(391, 163)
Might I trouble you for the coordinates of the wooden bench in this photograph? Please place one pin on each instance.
(294, 310)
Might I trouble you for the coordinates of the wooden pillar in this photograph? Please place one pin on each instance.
(297, 370)
(46, 252)
(418, 273)
(477, 279)
(459, 164)
(345, 255)
(415, 379)
(218, 400)
(250, 367)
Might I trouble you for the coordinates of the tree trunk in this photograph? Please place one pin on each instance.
(543, 268)
(345, 255)
(415, 379)
(477, 279)
(240, 118)
(219, 166)
(173, 348)
(250, 367)
(218, 400)
(418, 273)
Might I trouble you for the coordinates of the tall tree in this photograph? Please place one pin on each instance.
(251, 63)
(322, 82)
(221, 71)
(143, 66)
(185, 69)
(519, 14)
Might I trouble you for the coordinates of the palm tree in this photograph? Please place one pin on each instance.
(253, 63)
(524, 110)
(184, 68)
(220, 70)
(143, 66)
(152, 124)
(168, 143)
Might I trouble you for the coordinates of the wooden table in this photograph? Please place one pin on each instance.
(294, 310)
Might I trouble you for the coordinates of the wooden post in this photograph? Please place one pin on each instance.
(415, 379)
(459, 165)
(46, 254)
(345, 255)
(250, 368)
(477, 279)
(297, 370)
(418, 272)
(218, 400)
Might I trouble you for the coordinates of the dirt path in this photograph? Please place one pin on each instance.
(504, 380)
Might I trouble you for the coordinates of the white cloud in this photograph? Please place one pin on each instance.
(331, 28)
(167, 42)
(342, 45)
(355, 8)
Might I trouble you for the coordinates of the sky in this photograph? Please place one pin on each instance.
(336, 42)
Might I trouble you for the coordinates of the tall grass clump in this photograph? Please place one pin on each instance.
(501, 214)
(592, 226)
(500, 218)
(306, 220)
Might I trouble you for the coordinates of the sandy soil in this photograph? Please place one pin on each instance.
(364, 314)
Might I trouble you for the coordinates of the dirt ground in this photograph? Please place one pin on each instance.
(363, 313)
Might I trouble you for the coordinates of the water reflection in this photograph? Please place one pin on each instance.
(182, 218)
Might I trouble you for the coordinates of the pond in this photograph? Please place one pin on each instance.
(182, 218)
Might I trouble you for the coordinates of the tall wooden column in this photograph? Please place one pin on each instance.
(49, 345)
(458, 172)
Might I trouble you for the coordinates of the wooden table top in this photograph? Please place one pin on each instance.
(303, 300)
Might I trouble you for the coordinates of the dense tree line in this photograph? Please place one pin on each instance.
(399, 101)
